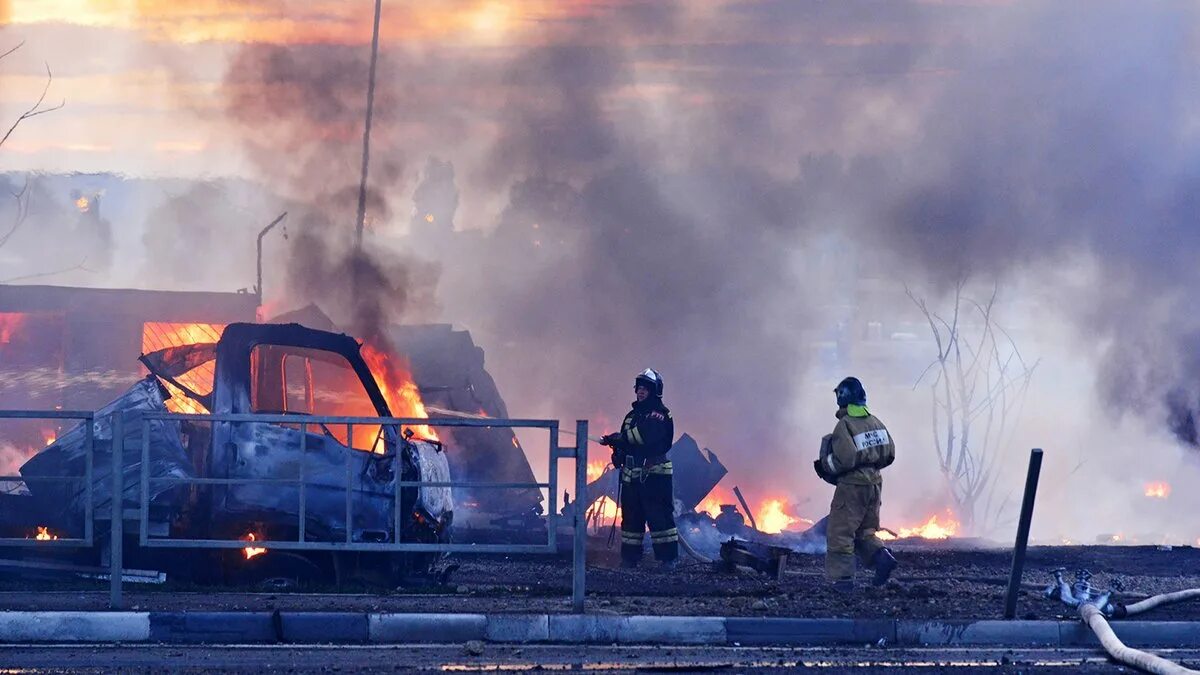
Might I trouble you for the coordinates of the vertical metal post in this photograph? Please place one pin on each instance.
(552, 519)
(303, 461)
(144, 501)
(579, 560)
(349, 452)
(115, 526)
(397, 477)
(1014, 579)
(89, 514)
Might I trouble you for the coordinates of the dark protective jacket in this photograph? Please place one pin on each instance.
(646, 433)
(860, 446)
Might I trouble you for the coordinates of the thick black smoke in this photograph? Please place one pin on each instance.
(659, 172)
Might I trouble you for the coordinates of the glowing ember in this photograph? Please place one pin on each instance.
(10, 323)
(396, 383)
(44, 534)
(83, 204)
(251, 551)
(1158, 490)
(933, 528)
(160, 335)
(49, 436)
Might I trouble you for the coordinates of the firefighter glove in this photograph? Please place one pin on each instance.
(618, 458)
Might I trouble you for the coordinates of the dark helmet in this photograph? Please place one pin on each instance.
(650, 379)
(850, 391)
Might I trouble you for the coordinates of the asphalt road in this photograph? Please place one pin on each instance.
(493, 658)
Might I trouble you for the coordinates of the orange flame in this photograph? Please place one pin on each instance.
(773, 517)
(10, 323)
(1158, 490)
(160, 335)
(44, 534)
(395, 381)
(251, 551)
(596, 469)
(602, 512)
(49, 436)
(83, 204)
(933, 528)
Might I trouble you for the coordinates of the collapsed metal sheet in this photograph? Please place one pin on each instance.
(64, 502)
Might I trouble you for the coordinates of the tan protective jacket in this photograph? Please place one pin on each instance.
(860, 446)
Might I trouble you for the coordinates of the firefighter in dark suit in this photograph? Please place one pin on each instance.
(852, 458)
(640, 454)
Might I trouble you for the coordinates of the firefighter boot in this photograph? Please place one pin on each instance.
(885, 562)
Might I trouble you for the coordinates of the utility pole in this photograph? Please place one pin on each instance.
(366, 155)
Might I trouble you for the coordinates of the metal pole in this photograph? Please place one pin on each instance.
(1014, 579)
(258, 286)
(303, 535)
(89, 512)
(579, 560)
(349, 480)
(366, 155)
(553, 520)
(115, 526)
(749, 513)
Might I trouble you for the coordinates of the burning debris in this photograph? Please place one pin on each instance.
(251, 366)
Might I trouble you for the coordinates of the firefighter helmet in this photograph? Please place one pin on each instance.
(850, 391)
(650, 379)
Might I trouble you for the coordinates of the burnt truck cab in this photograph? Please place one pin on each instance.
(287, 369)
(344, 482)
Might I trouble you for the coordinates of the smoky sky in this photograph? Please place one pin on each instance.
(659, 173)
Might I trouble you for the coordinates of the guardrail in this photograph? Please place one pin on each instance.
(88, 418)
(577, 452)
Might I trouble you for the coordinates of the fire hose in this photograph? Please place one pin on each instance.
(1136, 658)
(1095, 606)
(1163, 599)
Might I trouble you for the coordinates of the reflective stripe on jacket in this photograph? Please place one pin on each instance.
(860, 447)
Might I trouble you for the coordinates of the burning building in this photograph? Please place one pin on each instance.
(77, 348)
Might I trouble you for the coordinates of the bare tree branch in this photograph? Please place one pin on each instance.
(19, 45)
(20, 212)
(37, 108)
(25, 277)
(979, 386)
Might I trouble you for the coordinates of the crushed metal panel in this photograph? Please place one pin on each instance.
(67, 457)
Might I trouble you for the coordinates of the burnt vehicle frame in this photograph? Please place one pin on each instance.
(237, 471)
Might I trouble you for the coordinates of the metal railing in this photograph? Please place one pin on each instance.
(88, 418)
(577, 452)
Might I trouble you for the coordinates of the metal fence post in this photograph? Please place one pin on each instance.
(1014, 578)
(579, 559)
(115, 530)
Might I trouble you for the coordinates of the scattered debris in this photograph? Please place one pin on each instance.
(770, 560)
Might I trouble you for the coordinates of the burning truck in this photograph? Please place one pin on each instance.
(284, 370)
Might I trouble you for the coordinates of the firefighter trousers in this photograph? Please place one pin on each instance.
(853, 520)
(648, 499)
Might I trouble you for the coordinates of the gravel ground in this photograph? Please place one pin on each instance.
(932, 582)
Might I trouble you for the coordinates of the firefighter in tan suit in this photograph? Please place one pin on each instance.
(851, 458)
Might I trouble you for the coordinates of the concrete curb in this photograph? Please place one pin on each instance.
(359, 628)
